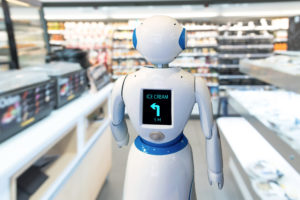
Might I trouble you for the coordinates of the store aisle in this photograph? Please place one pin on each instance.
(113, 188)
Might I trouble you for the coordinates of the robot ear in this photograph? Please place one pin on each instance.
(134, 39)
(182, 38)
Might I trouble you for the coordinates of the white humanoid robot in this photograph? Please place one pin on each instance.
(159, 101)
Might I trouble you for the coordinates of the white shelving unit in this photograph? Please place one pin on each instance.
(287, 146)
(70, 132)
(286, 77)
(276, 147)
(247, 146)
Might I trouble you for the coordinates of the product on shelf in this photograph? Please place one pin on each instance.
(280, 46)
(93, 37)
(193, 42)
(272, 190)
(264, 170)
(194, 62)
(268, 181)
(209, 46)
(252, 39)
(205, 51)
(25, 97)
(70, 80)
(193, 26)
(125, 53)
(55, 26)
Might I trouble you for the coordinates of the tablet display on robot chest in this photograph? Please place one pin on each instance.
(157, 107)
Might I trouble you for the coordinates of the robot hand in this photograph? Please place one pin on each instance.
(216, 178)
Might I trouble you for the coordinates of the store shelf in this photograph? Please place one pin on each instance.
(212, 84)
(202, 36)
(122, 38)
(234, 77)
(127, 57)
(245, 87)
(192, 65)
(125, 28)
(246, 28)
(197, 54)
(247, 147)
(56, 32)
(245, 37)
(270, 75)
(288, 53)
(280, 40)
(249, 46)
(127, 67)
(261, 55)
(127, 47)
(206, 74)
(282, 147)
(202, 28)
(53, 42)
(228, 66)
(202, 46)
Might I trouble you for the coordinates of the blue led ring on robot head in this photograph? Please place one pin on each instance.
(134, 39)
(182, 39)
(173, 146)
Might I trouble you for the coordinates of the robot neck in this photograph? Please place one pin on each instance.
(162, 65)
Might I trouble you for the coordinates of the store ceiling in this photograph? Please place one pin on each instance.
(144, 2)
(195, 12)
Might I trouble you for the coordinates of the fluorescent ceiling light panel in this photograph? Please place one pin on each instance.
(194, 15)
(75, 17)
(19, 3)
(175, 15)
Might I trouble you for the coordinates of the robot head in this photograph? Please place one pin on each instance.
(159, 39)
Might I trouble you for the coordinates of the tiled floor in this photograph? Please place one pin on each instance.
(113, 188)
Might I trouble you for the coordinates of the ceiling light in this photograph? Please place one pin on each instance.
(19, 3)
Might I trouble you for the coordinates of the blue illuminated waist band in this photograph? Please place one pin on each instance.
(161, 149)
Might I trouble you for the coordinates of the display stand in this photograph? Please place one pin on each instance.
(250, 140)
(286, 151)
(75, 132)
(246, 146)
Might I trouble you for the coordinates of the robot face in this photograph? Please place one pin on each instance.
(160, 39)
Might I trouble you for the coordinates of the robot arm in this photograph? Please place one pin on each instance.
(213, 145)
(118, 125)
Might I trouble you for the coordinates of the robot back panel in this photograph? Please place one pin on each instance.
(159, 102)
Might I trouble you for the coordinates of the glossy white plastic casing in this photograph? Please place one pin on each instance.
(158, 39)
(152, 177)
(180, 83)
(149, 176)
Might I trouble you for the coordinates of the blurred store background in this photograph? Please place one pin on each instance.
(58, 63)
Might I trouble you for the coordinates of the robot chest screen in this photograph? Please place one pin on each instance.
(157, 107)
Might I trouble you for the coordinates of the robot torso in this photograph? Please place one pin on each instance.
(159, 102)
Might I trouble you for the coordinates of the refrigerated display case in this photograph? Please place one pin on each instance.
(4, 47)
(28, 32)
